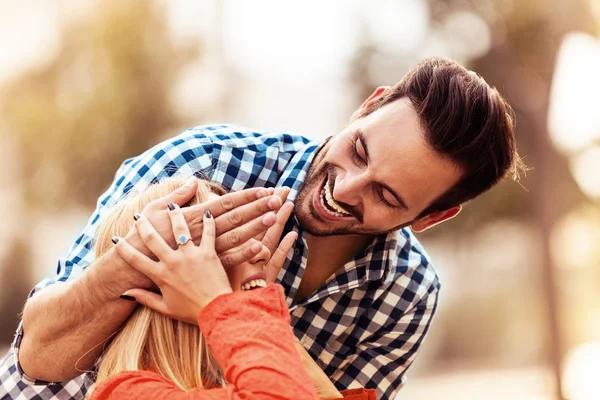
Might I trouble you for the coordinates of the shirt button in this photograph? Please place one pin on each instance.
(296, 252)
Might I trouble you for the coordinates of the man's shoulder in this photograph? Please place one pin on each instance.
(241, 138)
(208, 148)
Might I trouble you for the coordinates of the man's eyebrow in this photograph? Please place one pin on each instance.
(363, 141)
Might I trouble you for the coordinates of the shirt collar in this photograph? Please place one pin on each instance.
(295, 172)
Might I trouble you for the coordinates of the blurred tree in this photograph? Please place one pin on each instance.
(14, 286)
(104, 97)
(524, 63)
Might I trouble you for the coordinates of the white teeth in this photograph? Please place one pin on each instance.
(331, 203)
(254, 284)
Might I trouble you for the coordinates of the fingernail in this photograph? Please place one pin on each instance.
(126, 297)
(207, 214)
(190, 182)
(171, 206)
(136, 216)
(115, 239)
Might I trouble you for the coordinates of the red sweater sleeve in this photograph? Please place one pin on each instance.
(250, 336)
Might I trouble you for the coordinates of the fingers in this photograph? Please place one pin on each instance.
(273, 235)
(151, 238)
(234, 200)
(246, 213)
(180, 227)
(137, 260)
(231, 210)
(235, 257)
(179, 196)
(240, 235)
(208, 232)
(149, 299)
(271, 243)
(282, 193)
(278, 257)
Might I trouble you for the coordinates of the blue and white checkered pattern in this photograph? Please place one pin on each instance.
(364, 326)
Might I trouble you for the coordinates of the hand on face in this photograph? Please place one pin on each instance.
(188, 278)
(276, 251)
(191, 276)
(238, 217)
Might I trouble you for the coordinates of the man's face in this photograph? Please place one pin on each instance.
(374, 176)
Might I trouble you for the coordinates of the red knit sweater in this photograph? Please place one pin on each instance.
(250, 336)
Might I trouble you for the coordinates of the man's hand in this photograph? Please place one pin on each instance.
(271, 238)
(239, 216)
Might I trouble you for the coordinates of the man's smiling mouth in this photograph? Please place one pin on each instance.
(329, 204)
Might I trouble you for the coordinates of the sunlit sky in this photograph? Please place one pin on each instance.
(291, 50)
(281, 40)
(28, 34)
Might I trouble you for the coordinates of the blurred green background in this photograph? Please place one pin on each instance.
(83, 85)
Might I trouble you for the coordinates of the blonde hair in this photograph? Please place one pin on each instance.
(148, 340)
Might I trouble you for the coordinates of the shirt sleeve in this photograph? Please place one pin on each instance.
(190, 153)
(249, 334)
(381, 361)
(185, 155)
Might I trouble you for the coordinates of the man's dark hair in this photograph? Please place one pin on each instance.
(463, 119)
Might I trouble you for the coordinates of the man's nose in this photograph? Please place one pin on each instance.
(350, 188)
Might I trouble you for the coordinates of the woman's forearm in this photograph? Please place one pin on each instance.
(250, 336)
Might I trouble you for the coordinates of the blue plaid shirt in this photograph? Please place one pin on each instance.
(364, 326)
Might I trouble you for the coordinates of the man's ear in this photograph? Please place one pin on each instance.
(372, 98)
(434, 218)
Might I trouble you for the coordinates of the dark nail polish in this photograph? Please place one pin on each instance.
(207, 214)
(125, 297)
(115, 239)
(171, 206)
(136, 216)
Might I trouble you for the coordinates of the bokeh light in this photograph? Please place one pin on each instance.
(574, 239)
(585, 167)
(581, 372)
(573, 118)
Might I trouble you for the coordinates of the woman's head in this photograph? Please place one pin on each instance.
(120, 220)
(151, 341)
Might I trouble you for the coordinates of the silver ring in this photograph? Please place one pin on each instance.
(181, 240)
